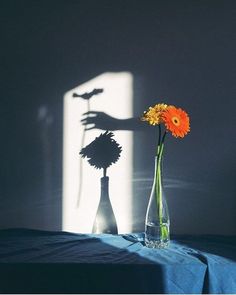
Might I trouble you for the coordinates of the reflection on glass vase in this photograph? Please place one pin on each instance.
(105, 221)
(157, 221)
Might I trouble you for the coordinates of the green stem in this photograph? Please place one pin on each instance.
(158, 176)
(159, 136)
(158, 182)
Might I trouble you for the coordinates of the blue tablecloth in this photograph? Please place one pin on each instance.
(33, 261)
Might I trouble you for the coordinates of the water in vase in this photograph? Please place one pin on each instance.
(153, 234)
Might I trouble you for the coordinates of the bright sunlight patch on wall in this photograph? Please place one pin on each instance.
(81, 182)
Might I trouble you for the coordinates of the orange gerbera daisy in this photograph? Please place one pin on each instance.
(176, 121)
(154, 114)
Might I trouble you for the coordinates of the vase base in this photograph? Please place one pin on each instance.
(157, 236)
(156, 244)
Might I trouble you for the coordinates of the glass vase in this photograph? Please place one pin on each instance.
(105, 221)
(157, 222)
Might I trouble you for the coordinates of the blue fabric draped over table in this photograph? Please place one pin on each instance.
(33, 261)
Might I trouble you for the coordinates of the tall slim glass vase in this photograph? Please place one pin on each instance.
(157, 222)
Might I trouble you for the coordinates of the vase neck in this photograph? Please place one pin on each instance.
(158, 170)
(104, 188)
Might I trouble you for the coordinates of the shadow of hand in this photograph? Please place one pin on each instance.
(100, 120)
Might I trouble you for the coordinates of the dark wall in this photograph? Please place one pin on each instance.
(182, 52)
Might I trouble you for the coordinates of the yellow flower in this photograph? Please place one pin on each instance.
(154, 114)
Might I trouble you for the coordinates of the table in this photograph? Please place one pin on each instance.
(33, 261)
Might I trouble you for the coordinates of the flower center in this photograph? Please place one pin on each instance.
(176, 121)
